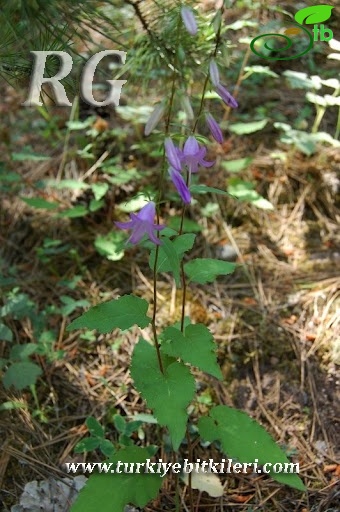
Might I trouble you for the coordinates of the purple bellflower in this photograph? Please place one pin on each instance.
(142, 224)
(173, 154)
(189, 20)
(214, 128)
(193, 155)
(214, 74)
(181, 186)
(226, 96)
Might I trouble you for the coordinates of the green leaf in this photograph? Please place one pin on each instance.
(96, 205)
(26, 156)
(99, 190)
(72, 184)
(245, 128)
(121, 313)
(237, 165)
(313, 14)
(196, 347)
(87, 445)
(111, 245)
(244, 191)
(94, 427)
(203, 189)
(76, 211)
(21, 375)
(244, 439)
(119, 423)
(12, 404)
(172, 257)
(168, 393)
(263, 70)
(205, 270)
(23, 351)
(181, 244)
(37, 202)
(107, 447)
(108, 492)
(5, 333)
(71, 304)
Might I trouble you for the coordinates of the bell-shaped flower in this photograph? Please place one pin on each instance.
(181, 186)
(173, 154)
(189, 20)
(214, 73)
(193, 155)
(214, 128)
(226, 96)
(142, 224)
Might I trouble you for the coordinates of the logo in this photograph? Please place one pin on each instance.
(87, 77)
(314, 15)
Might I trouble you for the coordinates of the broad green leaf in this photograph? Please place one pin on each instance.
(5, 333)
(243, 438)
(173, 259)
(196, 347)
(313, 14)
(23, 351)
(205, 270)
(96, 205)
(107, 447)
(203, 189)
(87, 445)
(245, 128)
(76, 211)
(119, 423)
(244, 191)
(94, 427)
(107, 492)
(111, 245)
(21, 375)
(37, 202)
(121, 313)
(168, 393)
(181, 244)
(99, 190)
(300, 80)
(237, 165)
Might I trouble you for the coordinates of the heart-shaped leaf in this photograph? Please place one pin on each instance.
(313, 14)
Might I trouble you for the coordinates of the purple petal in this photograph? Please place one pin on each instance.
(173, 154)
(147, 213)
(124, 225)
(214, 128)
(226, 96)
(191, 146)
(214, 74)
(180, 185)
(189, 20)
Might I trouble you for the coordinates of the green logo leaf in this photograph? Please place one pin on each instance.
(244, 439)
(168, 393)
(313, 14)
(196, 347)
(120, 313)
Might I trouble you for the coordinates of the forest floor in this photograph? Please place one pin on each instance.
(275, 320)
